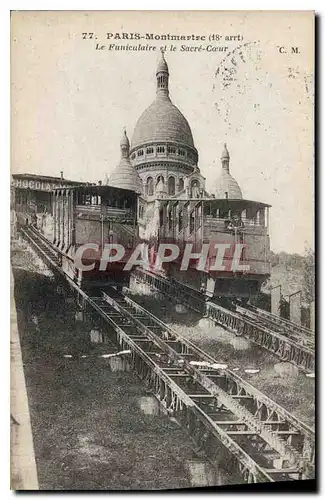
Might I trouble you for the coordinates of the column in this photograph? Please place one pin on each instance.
(312, 315)
(57, 218)
(275, 300)
(54, 215)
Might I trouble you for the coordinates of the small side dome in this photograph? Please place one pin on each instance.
(226, 185)
(125, 175)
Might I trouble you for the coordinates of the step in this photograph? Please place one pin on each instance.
(229, 422)
(286, 433)
(238, 396)
(242, 433)
(282, 471)
(200, 396)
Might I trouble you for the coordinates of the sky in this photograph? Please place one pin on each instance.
(70, 102)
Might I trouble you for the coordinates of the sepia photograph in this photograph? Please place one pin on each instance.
(162, 298)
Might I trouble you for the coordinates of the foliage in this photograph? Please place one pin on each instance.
(294, 271)
(309, 275)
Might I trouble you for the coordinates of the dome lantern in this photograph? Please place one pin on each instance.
(225, 158)
(227, 187)
(125, 146)
(162, 75)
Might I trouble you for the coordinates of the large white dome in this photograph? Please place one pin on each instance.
(162, 122)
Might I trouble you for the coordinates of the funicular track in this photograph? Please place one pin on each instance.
(294, 332)
(258, 326)
(214, 404)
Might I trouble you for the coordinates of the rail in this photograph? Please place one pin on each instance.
(225, 220)
(273, 407)
(285, 323)
(283, 346)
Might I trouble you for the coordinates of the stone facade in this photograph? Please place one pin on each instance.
(162, 160)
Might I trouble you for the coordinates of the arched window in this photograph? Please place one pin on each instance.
(149, 186)
(160, 178)
(181, 184)
(195, 188)
(171, 185)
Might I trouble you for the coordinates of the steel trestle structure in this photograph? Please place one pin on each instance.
(219, 410)
(256, 326)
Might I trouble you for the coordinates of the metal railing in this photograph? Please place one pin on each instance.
(210, 220)
(286, 348)
(106, 211)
